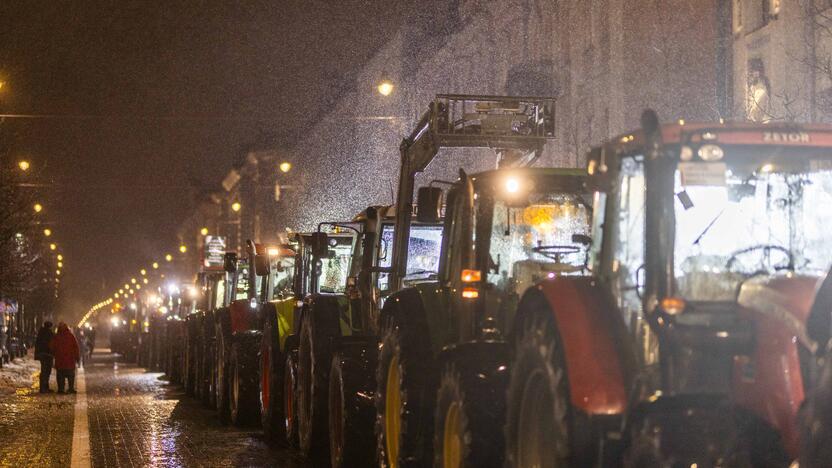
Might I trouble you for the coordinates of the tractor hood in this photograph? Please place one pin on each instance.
(786, 300)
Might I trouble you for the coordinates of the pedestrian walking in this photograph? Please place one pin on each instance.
(82, 345)
(64, 347)
(43, 353)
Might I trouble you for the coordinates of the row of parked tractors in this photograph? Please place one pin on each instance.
(663, 306)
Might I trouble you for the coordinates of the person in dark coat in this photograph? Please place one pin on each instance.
(44, 354)
(67, 355)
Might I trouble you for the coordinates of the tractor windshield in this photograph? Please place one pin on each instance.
(336, 267)
(734, 220)
(282, 276)
(731, 224)
(423, 249)
(534, 241)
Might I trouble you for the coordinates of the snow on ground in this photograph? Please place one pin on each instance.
(17, 375)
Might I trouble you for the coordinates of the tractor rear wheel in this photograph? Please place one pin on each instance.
(404, 419)
(351, 413)
(222, 374)
(538, 426)
(271, 384)
(470, 406)
(315, 357)
(244, 400)
(290, 383)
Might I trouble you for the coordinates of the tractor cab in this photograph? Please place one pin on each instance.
(711, 240)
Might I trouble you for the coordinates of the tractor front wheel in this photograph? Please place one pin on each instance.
(244, 398)
(538, 427)
(351, 409)
(271, 384)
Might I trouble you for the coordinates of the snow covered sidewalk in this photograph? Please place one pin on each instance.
(18, 374)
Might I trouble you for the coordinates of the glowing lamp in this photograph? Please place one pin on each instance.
(470, 293)
(235, 207)
(673, 305)
(471, 276)
(38, 207)
(47, 232)
(385, 88)
(23, 165)
(285, 167)
(204, 231)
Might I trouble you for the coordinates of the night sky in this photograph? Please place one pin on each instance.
(138, 105)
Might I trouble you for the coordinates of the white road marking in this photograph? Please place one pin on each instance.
(80, 429)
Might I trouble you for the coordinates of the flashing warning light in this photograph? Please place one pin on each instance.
(673, 305)
(471, 276)
(470, 293)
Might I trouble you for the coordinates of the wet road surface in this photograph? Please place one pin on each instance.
(134, 418)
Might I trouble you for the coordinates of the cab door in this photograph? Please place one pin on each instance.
(458, 255)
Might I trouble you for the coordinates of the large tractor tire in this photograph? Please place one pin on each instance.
(318, 328)
(351, 410)
(290, 389)
(244, 399)
(222, 368)
(188, 359)
(470, 407)
(207, 357)
(539, 427)
(405, 383)
(271, 383)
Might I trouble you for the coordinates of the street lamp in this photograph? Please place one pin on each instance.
(155, 265)
(133, 280)
(204, 231)
(183, 248)
(53, 246)
(60, 257)
(47, 232)
(285, 166)
(23, 165)
(38, 207)
(60, 264)
(143, 272)
(169, 257)
(385, 87)
(235, 207)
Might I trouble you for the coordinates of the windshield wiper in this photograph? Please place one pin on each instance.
(708, 227)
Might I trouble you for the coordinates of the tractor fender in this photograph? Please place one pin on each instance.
(486, 362)
(243, 317)
(599, 355)
(327, 305)
(409, 306)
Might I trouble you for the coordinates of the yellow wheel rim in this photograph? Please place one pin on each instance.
(393, 413)
(452, 438)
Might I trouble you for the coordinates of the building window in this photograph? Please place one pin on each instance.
(737, 16)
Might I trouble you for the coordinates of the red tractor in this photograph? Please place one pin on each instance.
(688, 344)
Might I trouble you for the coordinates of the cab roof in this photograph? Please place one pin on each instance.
(729, 133)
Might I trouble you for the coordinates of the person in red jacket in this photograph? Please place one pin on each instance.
(64, 347)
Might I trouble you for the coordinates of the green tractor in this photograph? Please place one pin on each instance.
(418, 321)
(338, 335)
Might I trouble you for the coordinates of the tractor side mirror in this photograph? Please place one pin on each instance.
(429, 205)
(261, 265)
(582, 239)
(320, 245)
(229, 262)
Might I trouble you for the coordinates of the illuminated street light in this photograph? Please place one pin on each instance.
(53, 246)
(155, 265)
(38, 207)
(60, 257)
(121, 291)
(23, 165)
(385, 88)
(204, 231)
(183, 248)
(169, 257)
(58, 272)
(60, 264)
(285, 166)
(138, 286)
(144, 281)
(126, 285)
(133, 280)
(143, 272)
(47, 232)
(235, 207)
